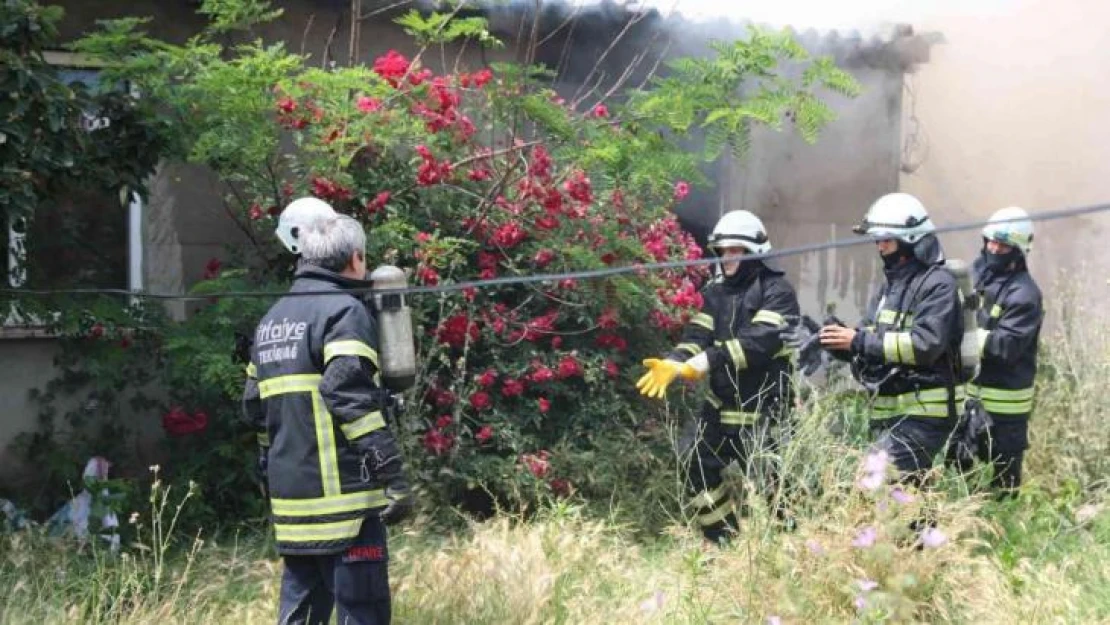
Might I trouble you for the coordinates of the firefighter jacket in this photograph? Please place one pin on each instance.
(1009, 322)
(907, 349)
(738, 326)
(313, 395)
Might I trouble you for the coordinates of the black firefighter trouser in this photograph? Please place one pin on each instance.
(1003, 445)
(912, 442)
(706, 448)
(355, 581)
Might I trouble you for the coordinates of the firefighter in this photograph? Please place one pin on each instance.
(335, 475)
(297, 216)
(734, 340)
(907, 349)
(1008, 321)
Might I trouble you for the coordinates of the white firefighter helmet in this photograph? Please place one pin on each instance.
(1011, 226)
(740, 229)
(897, 216)
(298, 215)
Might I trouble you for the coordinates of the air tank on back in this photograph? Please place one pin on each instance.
(969, 345)
(398, 351)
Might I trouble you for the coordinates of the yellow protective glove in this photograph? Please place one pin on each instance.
(661, 373)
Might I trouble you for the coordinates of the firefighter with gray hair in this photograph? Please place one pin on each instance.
(334, 472)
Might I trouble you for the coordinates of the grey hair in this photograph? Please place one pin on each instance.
(329, 242)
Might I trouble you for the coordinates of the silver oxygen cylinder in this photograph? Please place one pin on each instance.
(969, 346)
(398, 350)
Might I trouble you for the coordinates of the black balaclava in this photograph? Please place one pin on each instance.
(1000, 263)
(895, 258)
(747, 269)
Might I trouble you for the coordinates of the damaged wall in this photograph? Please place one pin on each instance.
(805, 193)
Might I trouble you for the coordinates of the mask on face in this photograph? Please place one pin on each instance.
(746, 270)
(893, 259)
(998, 263)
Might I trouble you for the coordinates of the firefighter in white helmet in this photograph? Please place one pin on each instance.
(297, 216)
(906, 351)
(734, 340)
(335, 472)
(1008, 320)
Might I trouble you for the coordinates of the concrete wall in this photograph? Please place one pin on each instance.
(1012, 110)
(815, 193)
(27, 363)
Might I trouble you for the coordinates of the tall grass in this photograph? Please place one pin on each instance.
(1044, 557)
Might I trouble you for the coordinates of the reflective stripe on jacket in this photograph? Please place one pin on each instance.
(1009, 318)
(313, 395)
(739, 325)
(910, 340)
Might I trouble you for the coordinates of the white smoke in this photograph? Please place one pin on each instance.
(867, 16)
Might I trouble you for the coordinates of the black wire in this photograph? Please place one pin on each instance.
(553, 277)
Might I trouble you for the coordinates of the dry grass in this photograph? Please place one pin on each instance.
(1044, 558)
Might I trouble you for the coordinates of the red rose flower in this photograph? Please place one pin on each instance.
(560, 487)
(369, 105)
(681, 190)
(487, 379)
(512, 388)
(427, 275)
(612, 369)
(438, 443)
(578, 187)
(391, 66)
(544, 404)
(480, 400)
(212, 269)
(608, 319)
(509, 235)
(177, 422)
(543, 258)
(568, 368)
(483, 434)
(481, 77)
(455, 331)
(542, 374)
(537, 464)
(611, 341)
(378, 203)
(444, 421)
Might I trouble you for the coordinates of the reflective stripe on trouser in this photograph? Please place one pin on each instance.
(710, 507)
(731, 416)
(706, 449)
(931, 402)
(1003, 401)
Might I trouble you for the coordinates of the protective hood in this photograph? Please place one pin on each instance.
(1013, 260)
(929, 251)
